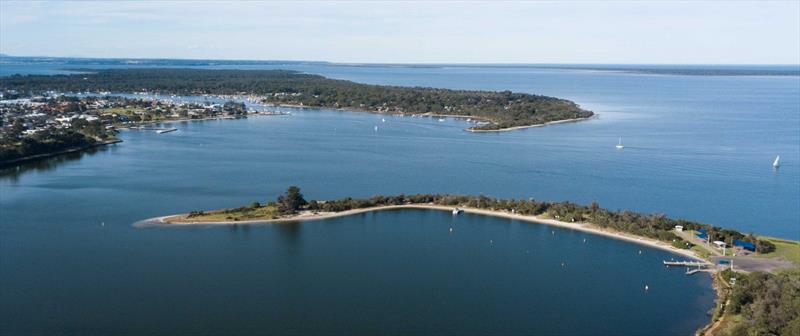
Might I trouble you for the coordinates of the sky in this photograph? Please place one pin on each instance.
(628, 32)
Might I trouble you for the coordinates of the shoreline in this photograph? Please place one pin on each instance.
(18, 161)
(516, 128)
(583, 227)
(435, 115)
(171, 121)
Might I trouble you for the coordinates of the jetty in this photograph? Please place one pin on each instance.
(700, 266)
(687, 263)
(166, 130)
(158, 130)
(693, 271)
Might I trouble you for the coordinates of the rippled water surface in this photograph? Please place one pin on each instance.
(696, 147)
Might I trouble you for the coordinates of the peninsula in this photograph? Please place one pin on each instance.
(499, 110)
(767, 269)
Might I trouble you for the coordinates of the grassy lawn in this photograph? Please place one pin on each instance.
(247, 213)
(701, 251)
(789, 249)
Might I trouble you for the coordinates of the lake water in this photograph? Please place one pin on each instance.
(696, 147)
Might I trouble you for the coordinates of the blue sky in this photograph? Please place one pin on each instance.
(410, 32)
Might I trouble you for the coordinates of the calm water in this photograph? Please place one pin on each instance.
(696, 147)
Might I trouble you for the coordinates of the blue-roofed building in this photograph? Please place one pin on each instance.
(745, 245)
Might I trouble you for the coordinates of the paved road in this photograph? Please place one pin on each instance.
(752, 264)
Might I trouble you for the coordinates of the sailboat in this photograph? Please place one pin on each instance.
(619, 144)
(777, 162)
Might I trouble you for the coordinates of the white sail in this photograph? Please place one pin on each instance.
(777, 162)
(619, 144)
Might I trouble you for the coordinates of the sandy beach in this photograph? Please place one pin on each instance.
(165, 221)
(531, 126)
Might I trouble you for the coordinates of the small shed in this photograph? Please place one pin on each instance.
(679, 228)
(720, 244)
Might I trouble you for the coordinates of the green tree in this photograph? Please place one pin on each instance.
(291, 201)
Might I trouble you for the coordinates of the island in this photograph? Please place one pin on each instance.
(756, 296)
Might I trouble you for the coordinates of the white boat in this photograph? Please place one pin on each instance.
(619, 144)
(383, 120)
(441, 119)
(777, 162)
(457, 211)
(376, 128)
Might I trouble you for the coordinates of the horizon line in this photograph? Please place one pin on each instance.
(375, 63)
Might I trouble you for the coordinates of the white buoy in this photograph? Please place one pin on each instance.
(383, 120)
(376, 128)
(640, 251)
(584, 240)
(646, 287)
(451, 229)
(491, 241)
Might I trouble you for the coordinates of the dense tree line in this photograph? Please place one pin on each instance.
(42, 143)
(769, 304)
(505, 109)
(656, 226)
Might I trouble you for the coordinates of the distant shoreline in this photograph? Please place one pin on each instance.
(17, 161)
(456, 116)
(164, 221)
